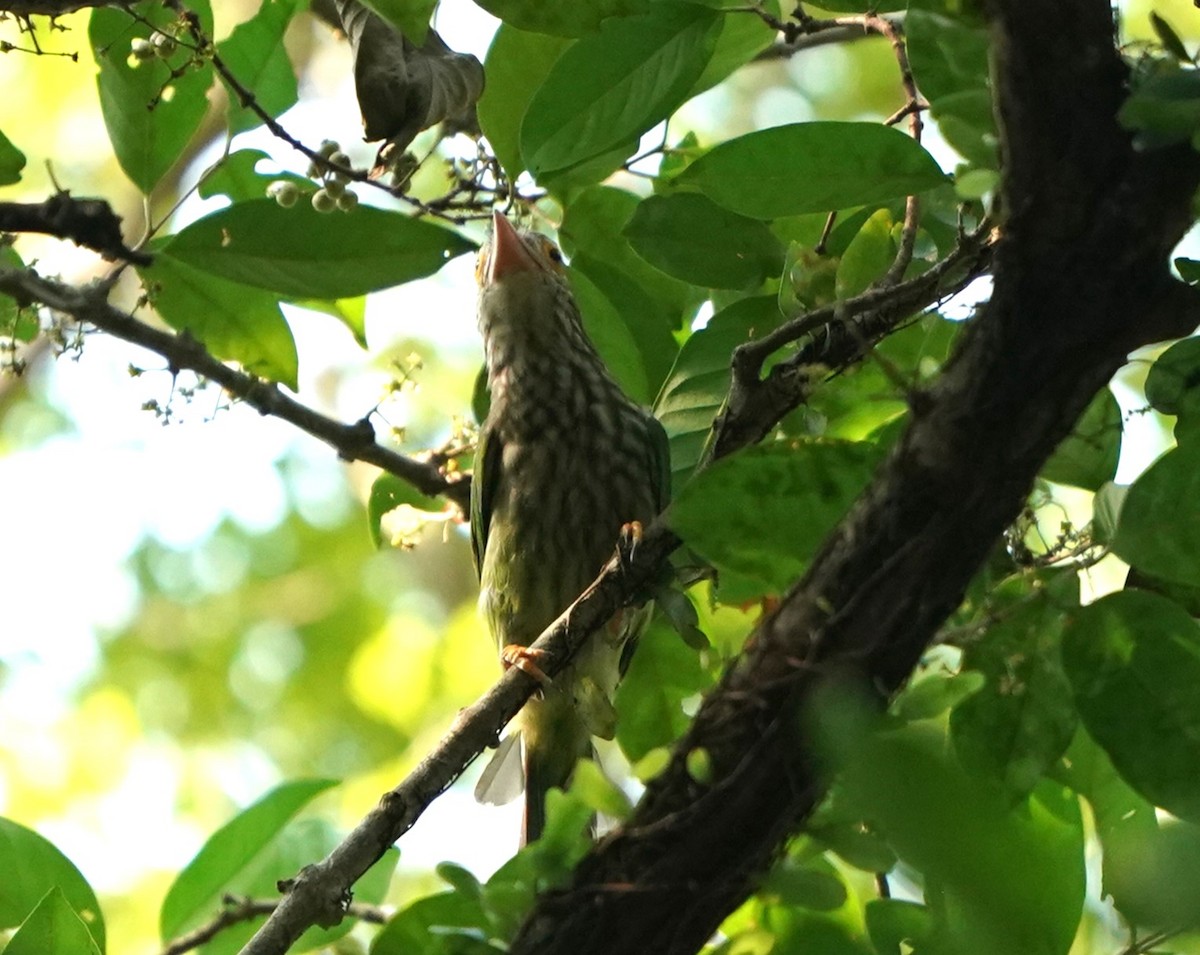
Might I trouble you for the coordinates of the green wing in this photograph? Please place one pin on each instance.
(484, 481)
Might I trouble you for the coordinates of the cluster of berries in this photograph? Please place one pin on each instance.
(332, 193)
(160, 45)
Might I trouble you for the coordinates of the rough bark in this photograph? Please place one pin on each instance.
(1081, 279)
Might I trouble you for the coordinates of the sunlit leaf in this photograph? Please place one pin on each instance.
(300, 252)
(234, 321)
(1133, 659)
(12, 161)
(32, 866)
(53, 928)
(389, 492)
(229, 851)
(255, 55)
(812, 167)
(612, 86)
(150, 114)
(517, 63)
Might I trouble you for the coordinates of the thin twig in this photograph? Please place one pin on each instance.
(353, 442)
(236, 910)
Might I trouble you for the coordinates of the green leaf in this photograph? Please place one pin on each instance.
(1133, 659)
(593, 225)
(12, 161)
(32, 866)
(1169, 38)
(743, 37)
(607, 329)
(1189, 269)
(1173, 383)
(648, 320)
(1023, 719)
(149, 127)
(1088, 456)
(351, 312)
(235, 176)
(410, 17)
(929, 695)
(229, 851)
(256, 56)
(762, 512)
(1159, 530)
(699, 381)
(449, 922)
(1166, 106)
(612, 86)
(301, 253)
(565, 18)
(389, 492)
(16, 323)
(812, 167)
(53, 928)
(898, 926)
(813, 884)
(517, 64)
(1005, 879)
(598, 792)
(856, 845)
(692, 238)
(663, 673)
(867, 257)
(235, 322)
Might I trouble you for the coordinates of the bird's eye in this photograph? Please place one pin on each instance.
(555, 255)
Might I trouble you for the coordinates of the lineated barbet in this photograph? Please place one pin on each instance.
(566, 464)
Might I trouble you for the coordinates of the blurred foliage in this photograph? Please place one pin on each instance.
(277, 655)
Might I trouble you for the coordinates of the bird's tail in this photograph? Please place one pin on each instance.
(554, 740)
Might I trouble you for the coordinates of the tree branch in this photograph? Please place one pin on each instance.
(353, 442)
(87, 222)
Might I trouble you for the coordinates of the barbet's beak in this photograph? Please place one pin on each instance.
(508, 252)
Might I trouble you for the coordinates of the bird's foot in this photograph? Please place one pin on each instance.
(526, 660)
(628, 542)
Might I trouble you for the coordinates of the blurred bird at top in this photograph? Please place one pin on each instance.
(565, 462)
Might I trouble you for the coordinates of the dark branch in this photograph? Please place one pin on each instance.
(353, 442)
(87, 222)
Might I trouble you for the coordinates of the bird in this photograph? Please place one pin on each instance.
(566, 464)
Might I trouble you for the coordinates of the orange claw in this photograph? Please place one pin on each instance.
(525, 659)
